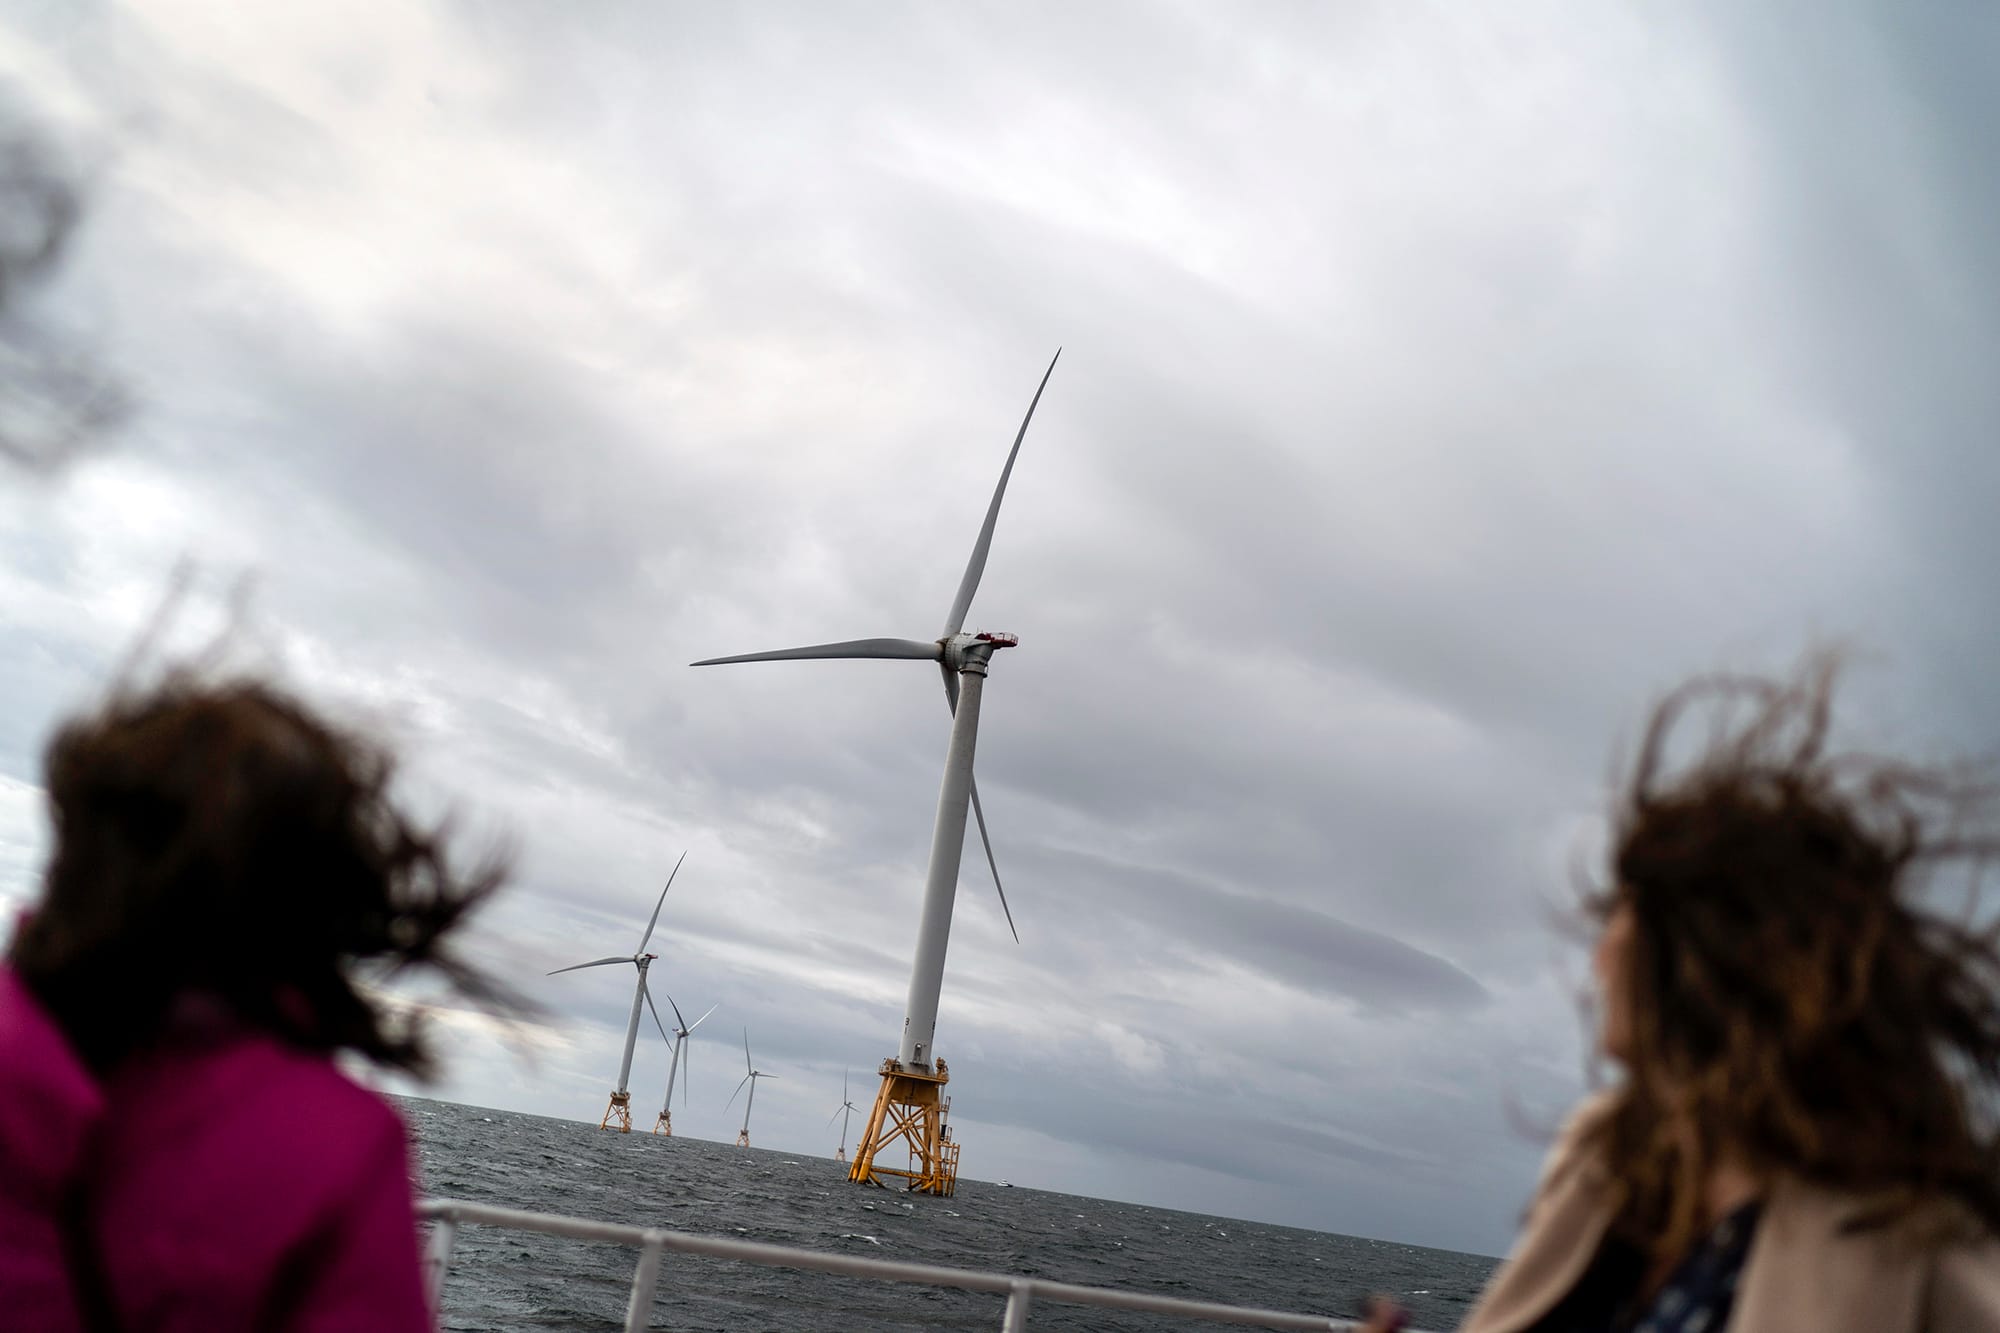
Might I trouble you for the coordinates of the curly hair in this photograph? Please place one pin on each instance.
(220, 840)
(1795, 1003)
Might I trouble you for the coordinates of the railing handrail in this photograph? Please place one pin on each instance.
(1019, 1290)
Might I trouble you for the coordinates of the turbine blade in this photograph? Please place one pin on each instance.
(955, 621)
(762, 1074)
(835, 1116)
(733, 1096)
(703, 1019)
(601, 962)
(984, 841)
(903, 649)
(658, 905)
(646, 991)
(746, 1051)
(680, 1023)
(950, 688)
(843, 1087)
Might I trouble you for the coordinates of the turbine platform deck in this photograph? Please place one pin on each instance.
(910, 1106)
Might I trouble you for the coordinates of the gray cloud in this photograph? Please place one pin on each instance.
(1437, 389)
(1305, 948)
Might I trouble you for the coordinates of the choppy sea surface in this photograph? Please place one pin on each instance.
(517, 1280)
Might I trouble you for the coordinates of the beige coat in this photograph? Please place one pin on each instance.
(1801, 1275)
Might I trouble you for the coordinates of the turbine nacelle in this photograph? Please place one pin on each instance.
(683, 1028)
(969, 652)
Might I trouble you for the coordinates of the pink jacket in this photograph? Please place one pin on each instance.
(233, 1182)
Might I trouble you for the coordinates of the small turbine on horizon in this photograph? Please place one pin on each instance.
(847, 1108)
(678, 1040)
(620, 1108)
(910, 1103)
(750, 1076)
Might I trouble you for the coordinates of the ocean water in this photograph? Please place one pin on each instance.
(517, 1280)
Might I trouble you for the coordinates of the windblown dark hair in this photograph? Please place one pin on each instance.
(218, 840)
(54, 399)
(1797, 1003)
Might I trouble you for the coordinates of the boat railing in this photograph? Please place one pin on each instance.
(653, 1244)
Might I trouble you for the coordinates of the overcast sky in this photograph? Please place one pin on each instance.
(1440, 384)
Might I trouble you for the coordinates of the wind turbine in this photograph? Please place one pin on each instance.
(910, 1104)
(847, 1108)
(665, 1124)
(750, 1076)
(620, 1108)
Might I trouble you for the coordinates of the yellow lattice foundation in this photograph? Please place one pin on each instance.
(665, 1124)
(620, 1112)
(910, 1106)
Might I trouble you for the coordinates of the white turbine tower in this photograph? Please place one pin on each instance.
(665, 1124)
(910, 1104)
(847, 1108)
(621, 1099)
(750, 1076)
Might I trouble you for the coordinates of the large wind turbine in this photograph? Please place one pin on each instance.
(620, 1108)
(750, 1076)
(910, 1104)
(665, 1124)
(847, 1108)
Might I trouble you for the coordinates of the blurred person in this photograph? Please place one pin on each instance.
(1804, 1138)
(178, 1150)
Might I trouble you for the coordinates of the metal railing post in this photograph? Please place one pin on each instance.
(1019, 1297)
(437, 1258)
(639, 1312)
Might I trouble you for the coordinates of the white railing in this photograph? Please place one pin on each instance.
(447, 1215)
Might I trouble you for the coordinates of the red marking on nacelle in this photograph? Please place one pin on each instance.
(999, 640)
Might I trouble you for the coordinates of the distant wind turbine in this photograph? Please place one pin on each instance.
(847, 1108)
(750, 1076)
(665, 1124)
(620, 1108)
(910, 1104)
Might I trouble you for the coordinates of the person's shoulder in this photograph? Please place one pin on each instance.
(38, 1070)
(1588, 1115)
(264, 1098)
(323, 1104)
(1958, 1253)
(1965, 1287)
(1573, 1170)
(1576, 1143)
(219, 1160)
